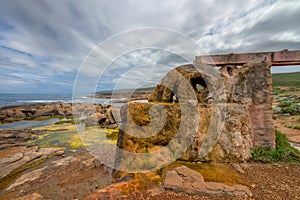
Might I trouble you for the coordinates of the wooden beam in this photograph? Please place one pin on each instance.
(280, 58)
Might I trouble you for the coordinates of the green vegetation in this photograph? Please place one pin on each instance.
(277, 91)
(66, 136)
(66, 139)
(111, 134)
(70, 121)
(288, 103)
(287, 80)
(284, 151)
(285, 103)
(289, 109)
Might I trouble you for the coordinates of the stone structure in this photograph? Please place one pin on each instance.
(232, 118)
(231, 109)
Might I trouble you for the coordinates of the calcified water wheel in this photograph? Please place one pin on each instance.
(133, 59)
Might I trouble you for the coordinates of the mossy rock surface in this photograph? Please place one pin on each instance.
(222, 173)
(66, 136)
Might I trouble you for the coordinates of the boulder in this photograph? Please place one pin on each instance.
(95, 114)
(95, 119)
(109, 115)
(183, 179)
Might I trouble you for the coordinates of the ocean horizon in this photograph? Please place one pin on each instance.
(20, 99)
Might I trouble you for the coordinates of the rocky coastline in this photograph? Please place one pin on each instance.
(95, 114)
(37, 154)
(50, 162)
(124, 96)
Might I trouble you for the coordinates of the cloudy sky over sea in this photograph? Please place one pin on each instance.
(44, 42)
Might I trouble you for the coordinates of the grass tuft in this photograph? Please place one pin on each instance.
(284, 152)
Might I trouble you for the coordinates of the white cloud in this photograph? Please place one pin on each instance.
(62, 33)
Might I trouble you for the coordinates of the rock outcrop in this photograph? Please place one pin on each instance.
(183, 179)
(26, 156)
(32, 111)
(95, 114)
(14, 138)
(72, 177)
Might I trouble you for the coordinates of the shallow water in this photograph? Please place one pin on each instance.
(24, 124)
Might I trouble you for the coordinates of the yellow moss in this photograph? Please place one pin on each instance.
(76, 142)
(57, 127)
(110, 130)
(67, 136)
(96, 135)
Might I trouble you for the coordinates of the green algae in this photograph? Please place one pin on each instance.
(96, 136)
(56, 127)
(111, 134)
(70, 121)
(66, 136)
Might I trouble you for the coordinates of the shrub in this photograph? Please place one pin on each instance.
(290, 109)
(285, 103)
(277, 90)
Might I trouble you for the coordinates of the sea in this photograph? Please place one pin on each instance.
(19, 99)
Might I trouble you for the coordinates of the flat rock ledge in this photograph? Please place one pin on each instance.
(26, 156)
(183, 179)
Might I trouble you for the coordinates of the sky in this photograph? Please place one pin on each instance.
(43, 43)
